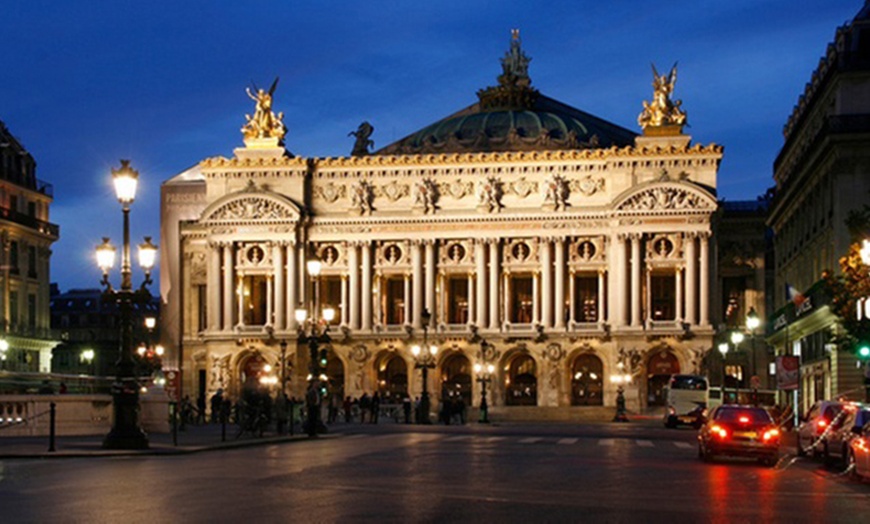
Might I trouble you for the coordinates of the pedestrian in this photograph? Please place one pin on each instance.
(460, 408)
(216, 402)
(418, 415)
(406, 406)
(376, 406)
(62, 388)
(446, 409)
(347, 406)
(200, 408)
(281, 413)
(364, 405)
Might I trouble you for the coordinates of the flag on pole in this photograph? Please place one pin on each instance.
(793, 295)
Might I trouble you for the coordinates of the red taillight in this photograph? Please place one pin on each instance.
(771, 434)
(744, 420)
(822, 423)
(720, 431)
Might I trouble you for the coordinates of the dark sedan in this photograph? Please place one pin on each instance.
(739, 431)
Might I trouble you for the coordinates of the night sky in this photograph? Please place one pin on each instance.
(84, 84)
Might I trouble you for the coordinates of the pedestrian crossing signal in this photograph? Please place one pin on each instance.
(864, 350)
(323, 357)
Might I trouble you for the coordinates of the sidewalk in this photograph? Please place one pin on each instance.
(193, 440)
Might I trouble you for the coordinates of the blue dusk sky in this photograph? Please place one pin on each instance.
(84, 84)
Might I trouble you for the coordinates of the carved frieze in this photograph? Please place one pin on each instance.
(489, 192)
(587, 186)
(393, 191)
(330, 192)
(362, 194)
(665, 198)
(253, 208)
(556, 192)
(426, 195)
(457, 188)
(522, 187)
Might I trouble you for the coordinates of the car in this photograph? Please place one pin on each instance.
(739, 431)
(814, 424)
(845, 426)
(859, 454)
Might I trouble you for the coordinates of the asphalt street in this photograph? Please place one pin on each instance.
(534, 473)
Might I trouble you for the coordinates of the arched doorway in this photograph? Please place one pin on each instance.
(521, 382)
(335, 375)
(587, 381)
(456, 377)
(661, 365)
(392, 382)
(251, 370)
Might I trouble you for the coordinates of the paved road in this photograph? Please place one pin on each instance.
(592, 473)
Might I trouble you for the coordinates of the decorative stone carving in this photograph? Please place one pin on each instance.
(457, 189)
(588, 186)
(489, 195)
(330, 192)
(393, 191)
(252, 208)
(361, 197)
(220, 371)
(556, 192)
(522, 187)
(665, 198)
(254, 255)
(554, 353)
(197, 268)
(426, 195)
(359, 353)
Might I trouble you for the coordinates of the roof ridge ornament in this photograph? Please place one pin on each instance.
(265, 128)
(514, 89)
(662, 116)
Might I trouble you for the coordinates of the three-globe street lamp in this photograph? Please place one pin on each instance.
(314, 326)
(125, 432)
(424, 359)
(484, 377)
(736, 338)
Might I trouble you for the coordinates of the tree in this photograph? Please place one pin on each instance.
(851, 284)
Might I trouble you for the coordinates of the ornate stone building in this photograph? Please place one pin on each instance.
(561, 248)
(26, 237)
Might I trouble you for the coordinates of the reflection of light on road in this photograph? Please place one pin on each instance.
(719, 484)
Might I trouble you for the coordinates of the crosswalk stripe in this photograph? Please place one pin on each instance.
(645, 443)
(530, 440)
(494, 439)
(567, 441)
(606, 442)
(683, 445)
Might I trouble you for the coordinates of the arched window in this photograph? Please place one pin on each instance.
(521, 382)
(587, 381)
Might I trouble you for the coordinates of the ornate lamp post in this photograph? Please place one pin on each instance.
(736, 338)
(484, 376)
(314, 327)
(126, 433)
(723, 348)
(424, 358)
(752, 323)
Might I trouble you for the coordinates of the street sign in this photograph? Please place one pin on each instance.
(173, 384)
(787, 371)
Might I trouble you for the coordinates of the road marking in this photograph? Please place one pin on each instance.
(606, 442)
(530, 440)
(457, 439)
(683, 445)
(645, 443)
(567, 441)
(494, 439)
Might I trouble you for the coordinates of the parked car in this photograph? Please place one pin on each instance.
(814, 425)
(845, 426)
(741, 431)
(859, 454)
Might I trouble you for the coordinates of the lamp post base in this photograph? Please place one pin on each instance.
(125, 433)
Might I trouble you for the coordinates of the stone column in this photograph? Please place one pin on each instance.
(602, 312)
(572, 301)
(280, 285)
(292, 288)
(417, 269)
(559, 287)
(353, 284)
(635, 280)
(430, 282)
(546, 284)
(213, 310)
(648, 300)
(269, 300)
(691, 280)
(617, 277)
(407, 307)
(480, 281)
(229, 289)
(366, 322)
(493, 284)
(705, 279)
(678, 311)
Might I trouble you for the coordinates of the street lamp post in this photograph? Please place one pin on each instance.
(736, 338)
(125, 432)
(752, 323)
(723, 348)
(484, 377)
(315, 330)
(424, 359)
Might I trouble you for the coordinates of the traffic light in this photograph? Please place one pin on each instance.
(323, 358)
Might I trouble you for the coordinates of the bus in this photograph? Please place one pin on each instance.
(687, 398)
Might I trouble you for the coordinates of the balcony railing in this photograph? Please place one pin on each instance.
(46, 228)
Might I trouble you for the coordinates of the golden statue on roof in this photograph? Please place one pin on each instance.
(662, 113)
(265, 124)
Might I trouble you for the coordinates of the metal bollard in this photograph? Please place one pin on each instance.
(51, 432)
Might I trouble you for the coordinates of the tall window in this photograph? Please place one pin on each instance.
(663, 297)
(13, 307)
(585, 298)
(13, 256)
(457, 300)
(521, 299)
(330, 296)
(202, 311)
(254, 300)
(394, 300)
(31, 311)
(31, 261)
(733, 291)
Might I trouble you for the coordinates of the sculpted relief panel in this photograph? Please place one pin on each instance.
(665, 198)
